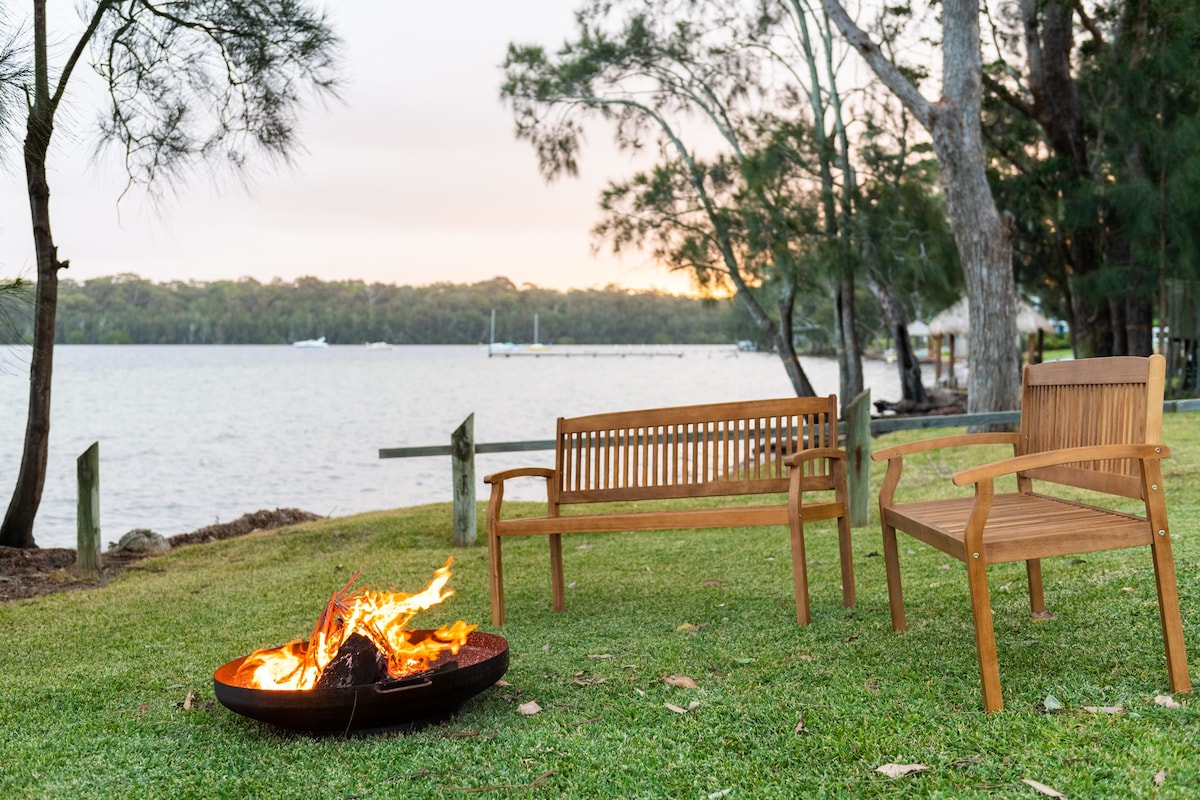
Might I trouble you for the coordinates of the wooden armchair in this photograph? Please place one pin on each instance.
(1094, 424)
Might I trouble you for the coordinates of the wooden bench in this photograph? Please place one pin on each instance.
(1092, 424)
(760, 447)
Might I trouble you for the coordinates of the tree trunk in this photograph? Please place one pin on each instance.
(912, 385)
(17, 528)
(849, 349)
(784, 346)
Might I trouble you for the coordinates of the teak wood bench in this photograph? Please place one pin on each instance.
(1093, 424)
(758, 447)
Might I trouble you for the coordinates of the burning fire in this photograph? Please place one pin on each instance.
(380, 617)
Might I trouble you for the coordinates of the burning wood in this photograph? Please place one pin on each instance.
(361, 637)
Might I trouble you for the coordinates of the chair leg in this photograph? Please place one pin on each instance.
(558, 592)
(891, 558)
(1169, 616)
(985, 635)
(1037, 597)
(846, 554)
(800, 572)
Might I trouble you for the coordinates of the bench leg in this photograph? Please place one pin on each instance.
(1037, 597)
(496, 576)
(558, 592)
(800, 573)
(1168, 611)
(495, 570)
(891, 558)
(846, 555)
(985, 635)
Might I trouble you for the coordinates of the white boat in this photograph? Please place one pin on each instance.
(311, 344)
(377, 345)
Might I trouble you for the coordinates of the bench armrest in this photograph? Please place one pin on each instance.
(1049, 458)
(519, 472)
(796, 459)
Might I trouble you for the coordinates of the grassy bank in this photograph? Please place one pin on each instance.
(108, 693)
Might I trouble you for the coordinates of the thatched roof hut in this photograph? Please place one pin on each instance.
(956, 321)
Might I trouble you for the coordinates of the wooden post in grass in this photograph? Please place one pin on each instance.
(858, 457)
(87, 515)
(462, 461)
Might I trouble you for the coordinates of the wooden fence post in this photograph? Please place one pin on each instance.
(462, 460)
(858, 452)
(87, 516)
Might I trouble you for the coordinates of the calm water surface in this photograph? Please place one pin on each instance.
(193, 435)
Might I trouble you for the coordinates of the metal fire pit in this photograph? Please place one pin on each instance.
(406, 702)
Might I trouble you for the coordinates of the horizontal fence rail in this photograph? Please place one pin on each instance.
(879, 425)
(857, 445)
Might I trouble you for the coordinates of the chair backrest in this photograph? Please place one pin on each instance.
(693, 451)
(1092, 401)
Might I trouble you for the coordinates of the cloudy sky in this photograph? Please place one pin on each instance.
(413, 178)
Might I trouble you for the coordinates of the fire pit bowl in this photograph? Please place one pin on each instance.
(426, 697)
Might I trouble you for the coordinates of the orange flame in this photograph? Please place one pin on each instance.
(380, 616)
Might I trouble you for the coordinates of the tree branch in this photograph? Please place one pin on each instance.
(888, 72)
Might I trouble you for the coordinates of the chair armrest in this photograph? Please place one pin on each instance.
(1070, 455)
(796, 459)
(895, 455)
(519, 472)
(941, 442)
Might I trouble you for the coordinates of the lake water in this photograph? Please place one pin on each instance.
(194, 435)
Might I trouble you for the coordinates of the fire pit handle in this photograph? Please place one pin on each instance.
(402, 686)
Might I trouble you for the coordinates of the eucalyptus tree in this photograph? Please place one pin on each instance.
(982, 233)
(188, 82)
(676, 73)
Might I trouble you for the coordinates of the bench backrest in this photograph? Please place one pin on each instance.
(692, 451)
(1092, 401)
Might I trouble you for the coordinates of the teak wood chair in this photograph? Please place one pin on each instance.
(1093, 424)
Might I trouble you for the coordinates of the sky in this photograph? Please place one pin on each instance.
(413, 177)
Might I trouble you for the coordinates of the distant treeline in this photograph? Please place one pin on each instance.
(127, 309)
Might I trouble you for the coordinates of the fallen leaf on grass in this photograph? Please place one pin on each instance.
(687, 626)
(583, 679)
(900, 770)
(682, 681)
(712, 582)
(529, 709)
(187, 701)
(1160, 777)
(692, 706)
(1166, 701)
(602, 655)
(1104, 709)
(744, 660)
(585, 546)
(1041, 787)
(800, 726)
(1051, 704)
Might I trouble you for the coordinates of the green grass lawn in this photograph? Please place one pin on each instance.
(108, 693)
